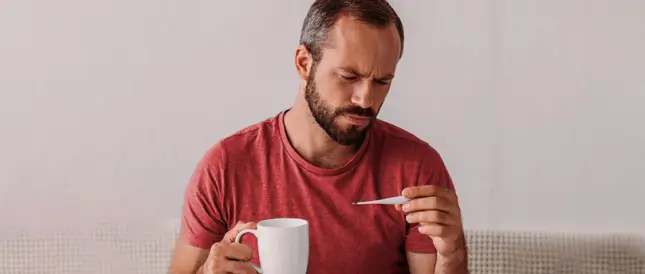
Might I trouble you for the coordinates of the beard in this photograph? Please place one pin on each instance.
(325, 116)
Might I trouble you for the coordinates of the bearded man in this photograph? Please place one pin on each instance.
(313, 160)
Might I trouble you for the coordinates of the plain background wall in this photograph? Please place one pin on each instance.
(538, 107)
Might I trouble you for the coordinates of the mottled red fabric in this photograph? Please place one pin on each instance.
(255, 174)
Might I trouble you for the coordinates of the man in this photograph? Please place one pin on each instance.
(325, 152)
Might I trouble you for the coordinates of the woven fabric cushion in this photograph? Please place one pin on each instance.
(539, 252)
(147, 249)
(105, 249)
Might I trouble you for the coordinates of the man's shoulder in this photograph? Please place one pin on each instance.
(403, 149)
(397, 134)
(246, 141)
(397, 139)
(250, 133)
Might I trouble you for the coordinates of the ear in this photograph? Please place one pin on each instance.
(303, 62)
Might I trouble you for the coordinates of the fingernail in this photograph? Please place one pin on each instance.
(405, 192)
(405, 207)
(408, 218)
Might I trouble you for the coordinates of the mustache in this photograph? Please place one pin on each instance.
(365, 112)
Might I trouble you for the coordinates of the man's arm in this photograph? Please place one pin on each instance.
(202, 223)
(454, 263)
(187, 259)
(435, 216)
(429, 263)
(223, 257)
(437, 212)
(422, 263)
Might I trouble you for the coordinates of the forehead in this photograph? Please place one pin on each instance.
(359, 44)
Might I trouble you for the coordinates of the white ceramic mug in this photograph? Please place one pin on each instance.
(283, 245)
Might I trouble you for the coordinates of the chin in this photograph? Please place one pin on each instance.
(347, 127)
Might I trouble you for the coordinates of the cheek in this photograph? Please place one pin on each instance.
(334, 91)
(380, 93)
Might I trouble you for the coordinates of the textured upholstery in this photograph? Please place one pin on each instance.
(140, 249)
(535, 252)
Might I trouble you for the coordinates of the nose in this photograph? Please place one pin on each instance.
(363, 95)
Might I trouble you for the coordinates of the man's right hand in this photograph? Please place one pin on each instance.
(227, 256)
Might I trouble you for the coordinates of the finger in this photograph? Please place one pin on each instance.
(434, 230)
(398, 208)
(423, 191)
(243, 225)
(218, 250)
(429, 203)
(222, 254)
(237, 251)
(238, 267)
(215, 248)
(430, 217)
(231, 234)
(429, 190)
(232, 251)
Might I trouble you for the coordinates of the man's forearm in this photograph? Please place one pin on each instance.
(454, 263)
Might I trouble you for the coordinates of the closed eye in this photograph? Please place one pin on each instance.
(349, 78)
(382, 82)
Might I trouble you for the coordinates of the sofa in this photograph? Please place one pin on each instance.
(146, 249)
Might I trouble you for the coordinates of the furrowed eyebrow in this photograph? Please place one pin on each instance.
(353, 71)
(387, 77)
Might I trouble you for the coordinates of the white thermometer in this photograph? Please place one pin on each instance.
(387, 201)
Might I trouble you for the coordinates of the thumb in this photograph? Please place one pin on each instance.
(231, 234)
(398, 208)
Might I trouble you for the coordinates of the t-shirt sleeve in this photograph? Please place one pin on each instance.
(432, 171)
(202, 223)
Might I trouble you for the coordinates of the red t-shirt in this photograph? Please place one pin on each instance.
(256, 174)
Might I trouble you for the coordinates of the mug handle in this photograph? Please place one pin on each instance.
(239, 237)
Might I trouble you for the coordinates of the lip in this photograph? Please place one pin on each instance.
(357, 120)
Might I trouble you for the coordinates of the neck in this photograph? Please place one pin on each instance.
(311, 141)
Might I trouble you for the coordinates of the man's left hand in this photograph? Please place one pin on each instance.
(436, 210)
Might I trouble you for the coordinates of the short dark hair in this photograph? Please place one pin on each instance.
(323, 14)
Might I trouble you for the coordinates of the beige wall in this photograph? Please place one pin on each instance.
(105, 106)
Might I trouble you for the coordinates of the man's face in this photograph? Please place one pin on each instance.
(346, 88)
